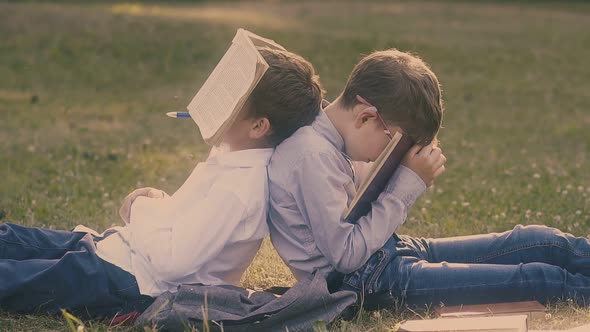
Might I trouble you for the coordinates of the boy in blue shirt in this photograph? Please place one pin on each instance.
(313, 177)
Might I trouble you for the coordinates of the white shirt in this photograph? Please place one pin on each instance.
(207, 232)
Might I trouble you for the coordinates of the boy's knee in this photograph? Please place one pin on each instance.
(541, 234)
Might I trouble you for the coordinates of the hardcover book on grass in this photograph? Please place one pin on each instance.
(516, 323)
(378, 177)
(223, 95)
(533, 309)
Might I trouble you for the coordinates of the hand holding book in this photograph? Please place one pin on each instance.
(426, 161)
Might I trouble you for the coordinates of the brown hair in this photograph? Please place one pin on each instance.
(289, 94)
(404, 90)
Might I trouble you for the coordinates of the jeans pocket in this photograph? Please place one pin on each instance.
(363, 279)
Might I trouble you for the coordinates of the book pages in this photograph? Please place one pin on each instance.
(227, 84)
(216, 105)
(262, 42)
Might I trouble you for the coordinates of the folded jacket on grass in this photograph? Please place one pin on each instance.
(238, 309)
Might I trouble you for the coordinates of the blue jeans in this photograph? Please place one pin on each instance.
(526, 263)
(43, 271)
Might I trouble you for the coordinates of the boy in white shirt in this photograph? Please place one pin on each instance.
(207, 232)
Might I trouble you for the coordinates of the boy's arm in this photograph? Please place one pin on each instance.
(322, 199)
(125, 210)
(192, 235)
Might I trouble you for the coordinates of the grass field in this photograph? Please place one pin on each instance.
(84, 89)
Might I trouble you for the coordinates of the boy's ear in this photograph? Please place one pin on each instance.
(364, 114)
(260, 128)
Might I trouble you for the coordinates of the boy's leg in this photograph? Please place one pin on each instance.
(407, 269)
(523, 244)
(19, 242)
(418, 283)
(78, 281)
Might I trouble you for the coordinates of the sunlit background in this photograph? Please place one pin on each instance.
(84, 88)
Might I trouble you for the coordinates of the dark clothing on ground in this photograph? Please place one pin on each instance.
(43, 271)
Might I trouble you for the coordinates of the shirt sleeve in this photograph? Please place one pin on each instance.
(322, 199)
(196, 233)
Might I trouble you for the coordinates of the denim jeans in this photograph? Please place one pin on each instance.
(526, 263)
(43, 271)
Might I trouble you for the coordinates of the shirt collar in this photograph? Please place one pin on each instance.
(324, 126)
(242, 158)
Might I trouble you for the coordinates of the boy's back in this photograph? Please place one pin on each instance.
(286, 222)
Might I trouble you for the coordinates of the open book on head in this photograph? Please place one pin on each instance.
(378, 177)
(217, 104)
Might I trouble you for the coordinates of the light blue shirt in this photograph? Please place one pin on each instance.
(311, 184)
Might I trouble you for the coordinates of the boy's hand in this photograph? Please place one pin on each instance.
(125, 210)
(426, 161)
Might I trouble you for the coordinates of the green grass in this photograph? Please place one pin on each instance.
(83, 90)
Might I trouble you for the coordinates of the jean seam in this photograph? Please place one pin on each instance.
(528, 246)
(30, 245)
(377, 272)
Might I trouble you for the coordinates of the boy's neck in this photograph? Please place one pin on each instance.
(339, 115)
(248, 145)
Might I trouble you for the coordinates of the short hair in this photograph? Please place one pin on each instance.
(289, 94)
(404, 90)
